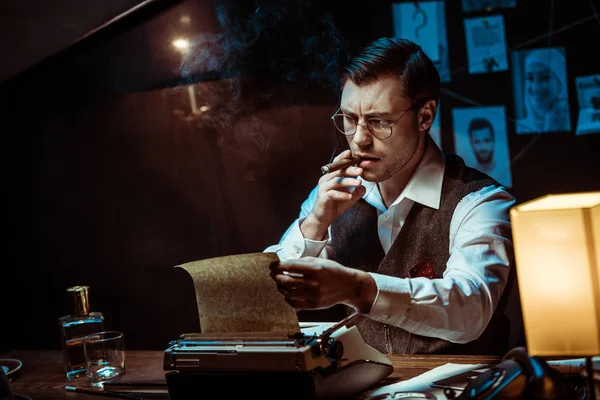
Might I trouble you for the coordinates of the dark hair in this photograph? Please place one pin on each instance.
(480, 123)
(398, 58)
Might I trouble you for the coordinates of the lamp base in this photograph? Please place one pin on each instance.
(590, 380)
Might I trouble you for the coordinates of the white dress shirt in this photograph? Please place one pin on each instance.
(458, 306)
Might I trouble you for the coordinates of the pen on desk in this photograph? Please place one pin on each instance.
(339, 164)
(573, 366)
(104, 393)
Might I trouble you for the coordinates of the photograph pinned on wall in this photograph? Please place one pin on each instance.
(435, 131)
(424, 22)
(588, 95)
(486, 44)
(487, 5)
(540, 90)
(480, 139)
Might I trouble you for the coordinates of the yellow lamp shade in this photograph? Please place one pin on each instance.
(557, 254)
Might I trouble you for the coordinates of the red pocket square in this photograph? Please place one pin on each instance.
(422, 269)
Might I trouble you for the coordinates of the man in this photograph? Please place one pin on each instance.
(411, 239)
(481, 137)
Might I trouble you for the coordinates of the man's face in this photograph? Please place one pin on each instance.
(382, 158)
(482, 142)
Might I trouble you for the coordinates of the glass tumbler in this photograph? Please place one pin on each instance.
(104, 356)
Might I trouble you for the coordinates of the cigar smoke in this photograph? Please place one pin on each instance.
(336, 165)
(252, 54)
(282, 41)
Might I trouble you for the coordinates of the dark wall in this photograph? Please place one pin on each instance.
(27, 24)
(111, 180)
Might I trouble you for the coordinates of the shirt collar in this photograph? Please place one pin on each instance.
(424, 187)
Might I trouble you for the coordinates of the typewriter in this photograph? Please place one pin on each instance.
(323, 361)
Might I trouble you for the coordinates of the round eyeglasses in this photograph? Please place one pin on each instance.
(380, 128)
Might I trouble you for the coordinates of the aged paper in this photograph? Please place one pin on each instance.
(486, 44)
(588, 94)
(235, 293)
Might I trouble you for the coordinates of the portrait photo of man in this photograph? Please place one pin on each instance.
(480, 139)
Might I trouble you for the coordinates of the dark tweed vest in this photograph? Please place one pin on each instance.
(424, 236)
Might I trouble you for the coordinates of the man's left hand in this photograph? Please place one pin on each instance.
(317, 283)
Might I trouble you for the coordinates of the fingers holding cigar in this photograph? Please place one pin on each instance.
(340, 163)
(340, 184)
(337, 191)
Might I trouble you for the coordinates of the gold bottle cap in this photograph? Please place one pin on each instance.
(81, 302)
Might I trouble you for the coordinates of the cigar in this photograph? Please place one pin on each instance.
(343, 163)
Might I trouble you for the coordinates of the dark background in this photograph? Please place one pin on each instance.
(111, 181)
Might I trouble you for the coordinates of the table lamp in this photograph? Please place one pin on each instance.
(557, 253)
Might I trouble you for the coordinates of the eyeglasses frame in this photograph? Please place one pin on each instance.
(418, 103)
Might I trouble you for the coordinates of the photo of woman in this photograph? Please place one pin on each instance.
(540, 88)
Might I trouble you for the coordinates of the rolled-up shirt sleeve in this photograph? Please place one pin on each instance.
(458, 306)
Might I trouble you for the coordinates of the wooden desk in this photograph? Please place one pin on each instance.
(42, 376)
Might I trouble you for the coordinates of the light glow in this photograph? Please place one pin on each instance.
(181, 44)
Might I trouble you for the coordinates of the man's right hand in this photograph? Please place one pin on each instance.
(334, 196)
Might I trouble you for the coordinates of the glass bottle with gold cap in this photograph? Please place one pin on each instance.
(74, 327)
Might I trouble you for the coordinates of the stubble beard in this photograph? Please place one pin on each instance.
(397, 166)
